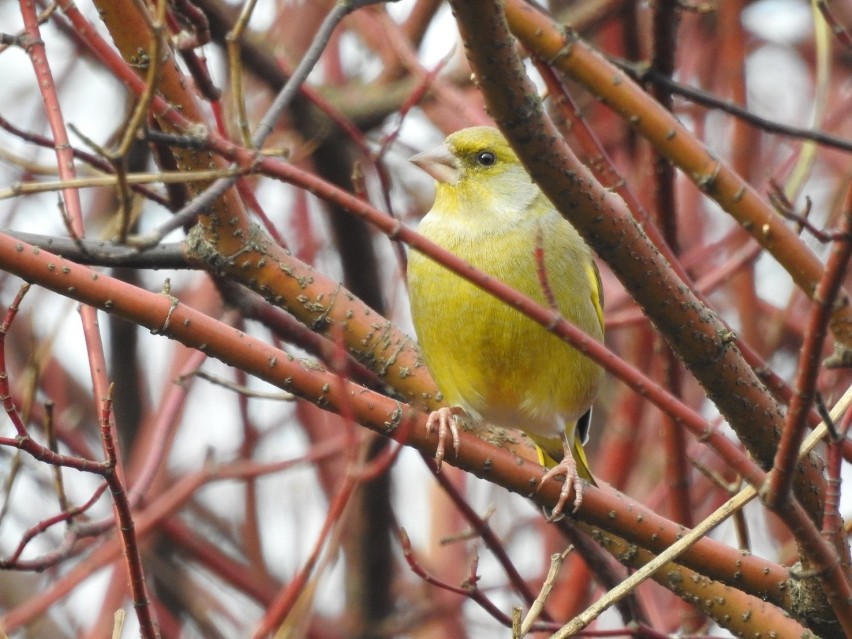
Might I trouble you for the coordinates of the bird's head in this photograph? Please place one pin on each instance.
(476, 168)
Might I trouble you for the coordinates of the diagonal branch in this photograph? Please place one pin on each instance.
(566, 51)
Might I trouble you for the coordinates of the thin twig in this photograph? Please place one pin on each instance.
(644, 73)
(103, 253)
(556, 561)
(282, 101)
(825, 299)
(237, 388)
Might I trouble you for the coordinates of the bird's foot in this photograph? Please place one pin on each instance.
(567, 467)
(445, 420)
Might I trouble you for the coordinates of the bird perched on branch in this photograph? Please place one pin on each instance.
(488, 359)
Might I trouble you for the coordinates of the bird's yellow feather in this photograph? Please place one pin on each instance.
(485, 356)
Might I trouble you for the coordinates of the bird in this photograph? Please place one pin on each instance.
(489, 361)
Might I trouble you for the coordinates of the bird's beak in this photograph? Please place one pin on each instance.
(439, 163)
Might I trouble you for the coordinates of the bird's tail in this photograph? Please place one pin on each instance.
(551, 451)
(582, 462)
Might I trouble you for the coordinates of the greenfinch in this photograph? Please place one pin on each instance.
(488, 360)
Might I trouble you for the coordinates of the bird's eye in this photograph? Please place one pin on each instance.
(486, 158)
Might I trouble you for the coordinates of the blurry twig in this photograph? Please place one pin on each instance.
(556, 561)
(837, 29)
(237, 388)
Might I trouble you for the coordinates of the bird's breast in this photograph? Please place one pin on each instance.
(485, 355)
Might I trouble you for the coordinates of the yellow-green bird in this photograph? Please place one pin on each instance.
(487, 358)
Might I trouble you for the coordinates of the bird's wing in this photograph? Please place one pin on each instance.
(597, 289)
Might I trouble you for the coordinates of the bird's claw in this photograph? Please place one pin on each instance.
(447, 424)
(567, 467)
